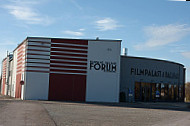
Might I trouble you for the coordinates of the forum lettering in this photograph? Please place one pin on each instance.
(103, 66)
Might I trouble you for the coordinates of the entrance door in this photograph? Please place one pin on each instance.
(137, 91)
(145, 92)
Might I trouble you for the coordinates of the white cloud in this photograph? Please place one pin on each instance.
(107, 24)
(23, 10)
(162, 35)
(186, 54)
(75, 33)
(82, 29)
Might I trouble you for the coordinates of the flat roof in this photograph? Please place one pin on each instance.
(146, 58)
(98, 39)
(116, 40)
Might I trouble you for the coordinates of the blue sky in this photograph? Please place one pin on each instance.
(149, 28)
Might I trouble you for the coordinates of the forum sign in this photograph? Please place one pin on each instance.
(104, 66)
(154, 73)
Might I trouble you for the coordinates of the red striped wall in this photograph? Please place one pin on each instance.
(4, 76)
(20, 68)
(18, 86)
(68, 68)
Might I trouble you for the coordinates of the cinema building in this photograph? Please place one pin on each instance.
(89, 71)
(63, 69)
(145, 79)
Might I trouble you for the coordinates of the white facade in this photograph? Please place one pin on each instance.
(55, 68)
(103, 71)
(35, 81)
(14, 74)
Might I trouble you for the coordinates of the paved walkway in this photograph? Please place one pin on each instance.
(123, 114)
(23, 113)
(14, 112)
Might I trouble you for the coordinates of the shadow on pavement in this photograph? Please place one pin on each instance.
(174, 106)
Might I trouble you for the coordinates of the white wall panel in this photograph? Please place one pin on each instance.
(37, 86)
(38, 56)
(38, 48)
(103, 85)
(38, 64)
(38, 60)
(37, 69)
(14, 73)
(38, 52)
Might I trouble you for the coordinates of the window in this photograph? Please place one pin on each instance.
(175, 92)
(162, 92)
(166, 94)
(137, 91)
(153, 91)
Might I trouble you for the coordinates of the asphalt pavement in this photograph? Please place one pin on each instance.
(15, 112)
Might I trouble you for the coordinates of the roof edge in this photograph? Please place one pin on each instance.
(21, 43)
(118, 40)
(146, 58)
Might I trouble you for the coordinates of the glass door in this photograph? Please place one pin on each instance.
(146, 92)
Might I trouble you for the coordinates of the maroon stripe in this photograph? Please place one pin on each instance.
(20, 54)
(38, 67)
(20, 58)
(20, 51)
(19, 63)
(38, 46)
(69, 67)
(38, 50)
(68, 71)
(20, 48)
(40, 71)
(37, 54)
(66, 54)
(66, 62)
(70, 41)
(74, 59)
(69, 50)
(19, 67)
(19, 71)
(68, 46)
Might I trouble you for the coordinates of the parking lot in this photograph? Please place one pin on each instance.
(43, 113)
